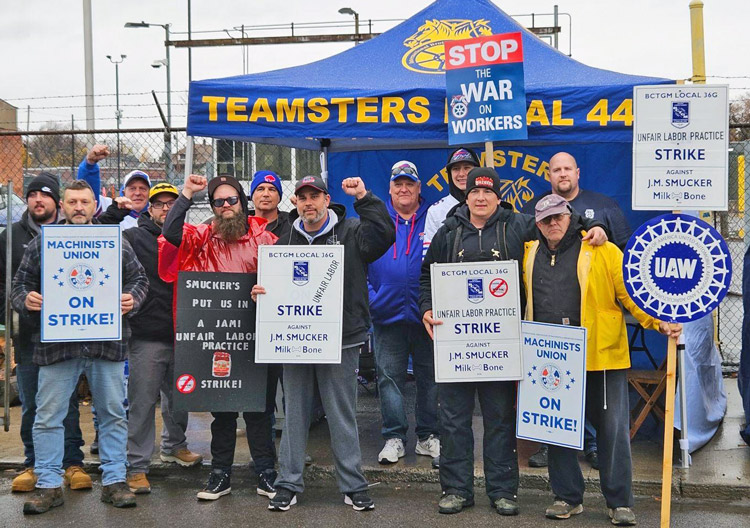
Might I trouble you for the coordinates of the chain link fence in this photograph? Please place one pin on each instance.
(23, 156)
(734, 226)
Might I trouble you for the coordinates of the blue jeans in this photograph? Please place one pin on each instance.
(56, 383)
(393, 346)
(28, 376)
(589, 438)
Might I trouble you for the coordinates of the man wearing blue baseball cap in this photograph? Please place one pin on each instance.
(398, 330)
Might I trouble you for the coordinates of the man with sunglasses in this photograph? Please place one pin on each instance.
(229, 244)
(572, 283)
(151, 354)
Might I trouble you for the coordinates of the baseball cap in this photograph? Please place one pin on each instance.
(550, 205)
(232, 182)
(406, 169)
(162, 188)
(136, 174)
(483, 177)
(316, 182)
(462, 154)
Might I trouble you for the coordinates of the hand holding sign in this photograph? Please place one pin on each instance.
(670, 329)
(257, 290)
(33, 302)
(429, 322)
(126, 303)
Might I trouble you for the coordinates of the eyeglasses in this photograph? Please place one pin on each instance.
(403, 169)
(162, 205)
(219, 202)
(556, 217)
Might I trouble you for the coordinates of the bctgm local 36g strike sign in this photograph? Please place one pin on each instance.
(81, 283)
(485, 89)
(479, 305)
(680, 147)
(300, 316)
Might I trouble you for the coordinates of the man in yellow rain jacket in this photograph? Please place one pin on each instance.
(576, 284)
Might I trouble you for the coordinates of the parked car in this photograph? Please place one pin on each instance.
(17, 209)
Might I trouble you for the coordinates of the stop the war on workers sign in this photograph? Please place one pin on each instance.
(81, 283)
(479, 306)
(485, 89)
(552, 394)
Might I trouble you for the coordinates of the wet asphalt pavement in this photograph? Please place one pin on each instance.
(173, 503)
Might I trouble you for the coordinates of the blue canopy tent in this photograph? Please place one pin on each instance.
(385, 100)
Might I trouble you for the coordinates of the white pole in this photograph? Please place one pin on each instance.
(88, 58)
(189, 157)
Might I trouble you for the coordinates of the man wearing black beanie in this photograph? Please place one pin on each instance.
(42, 199)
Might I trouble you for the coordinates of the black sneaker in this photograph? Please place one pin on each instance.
(540, 458)
(282, 500)
(94, 447)
(593, 459)
(265, 483)
(359, 500)
(217, 486)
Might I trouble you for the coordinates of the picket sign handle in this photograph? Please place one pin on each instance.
(489, 154)
(666, 477)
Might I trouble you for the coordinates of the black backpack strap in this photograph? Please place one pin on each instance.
(453, 251)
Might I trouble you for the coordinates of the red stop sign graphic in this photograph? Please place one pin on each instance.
(498, 287)
(186, 384)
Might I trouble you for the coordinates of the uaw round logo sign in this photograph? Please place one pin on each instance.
(677, 268)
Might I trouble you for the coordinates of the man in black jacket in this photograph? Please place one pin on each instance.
(479, 230)
(151, 354)
(318, 222)
(42, 198)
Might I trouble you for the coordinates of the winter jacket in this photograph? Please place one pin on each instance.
(364, 240)
(187, 247)
(21, 234)
(393, 279)
(153, 322)
(602, 286)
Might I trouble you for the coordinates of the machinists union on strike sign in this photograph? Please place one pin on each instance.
(677, 268)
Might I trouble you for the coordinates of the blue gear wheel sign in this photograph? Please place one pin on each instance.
(677, 268)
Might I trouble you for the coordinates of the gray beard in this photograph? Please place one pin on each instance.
(230, 229)
(315, 220)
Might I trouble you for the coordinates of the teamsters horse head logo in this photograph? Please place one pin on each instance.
(516, 193)
(427, 46)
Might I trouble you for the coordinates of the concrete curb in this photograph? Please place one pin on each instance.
(681, 486)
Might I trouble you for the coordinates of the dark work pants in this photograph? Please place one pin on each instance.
(613, 433)
(497, 401)
(258, 428)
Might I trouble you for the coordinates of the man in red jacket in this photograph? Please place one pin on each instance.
(228, 244)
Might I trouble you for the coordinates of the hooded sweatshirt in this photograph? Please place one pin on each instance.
(393, 278)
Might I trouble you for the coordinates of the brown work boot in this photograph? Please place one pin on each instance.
(77, 478)
(24, 482)
(118, 495)
(183, 457)
(138, 483)
(43, 500)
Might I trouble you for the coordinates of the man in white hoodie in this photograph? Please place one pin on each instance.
(460, 162)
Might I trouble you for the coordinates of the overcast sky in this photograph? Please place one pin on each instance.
(42, 46)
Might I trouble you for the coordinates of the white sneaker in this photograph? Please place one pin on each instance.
(393, 450)
(430, 447)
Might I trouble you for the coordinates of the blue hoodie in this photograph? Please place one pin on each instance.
(393, 279)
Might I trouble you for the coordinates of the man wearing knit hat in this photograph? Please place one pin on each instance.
(228, 244)
(477, 231)
(151, 354)
(265, 193)
(460, 162)
(42, 198)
